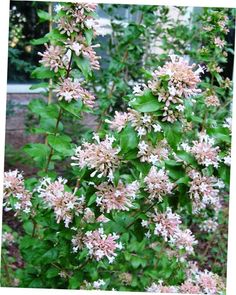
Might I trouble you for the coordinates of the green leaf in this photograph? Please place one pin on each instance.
(55, 36)
(128, 139)
(39, 152)
(84, 65)
(61, 143)
(28, 227)
(146, 102)
(75, 280)
(37, 106)
(89, 36)
(220, 134)
(173, 133)
(43, 15)
(48, 125)
(137, 261)
(52, 272)
(189, 159)
(92, 199)
(39, 41)
(73, 107)
(184, 180)
(50, 256)
(42, 73)
(224, 172)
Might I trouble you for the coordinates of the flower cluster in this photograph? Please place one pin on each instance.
(73, 23)
(181, 82)
(54, 57)
(95, 285)
(69, 90)
(209, 225)
(8, 238)
(79, 14)
(204, 190)
(219, 43)
(79, 17)
(116, 198)
(143, 123)
(100, 156)
(158, 183)
(119, 122)
(80, 48)
(13, 186)
(64, 203)
(167, 225)
(98, 243)
(197, 282)
(212, 101)
(204, 151)
(159, 288)
(150, 154)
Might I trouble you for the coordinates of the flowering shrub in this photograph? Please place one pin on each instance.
(149, 183)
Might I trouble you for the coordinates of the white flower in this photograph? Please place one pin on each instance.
(148, 235)
(17, 206)
(142, 146)
(146, 118)
(76, 47)
(227, 160)
(27, 210)
(180, 108)
(144, 223)
(153, 159)
(98, 284)
(57, 8)
(157, 127)
(141, 131)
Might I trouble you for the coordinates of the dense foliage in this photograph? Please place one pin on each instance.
(127, 207)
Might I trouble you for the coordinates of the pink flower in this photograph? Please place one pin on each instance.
(182, 79)
(79, 13)
(212, 100)
(67, 26)
(207, 281)
(101, 245)
(162, 289)
(13, 186)
(8, 238)
(204, 151)
(69, 90)
(119, 121)
(219, 43)
(158, 183)
(209, 225)
(100, 156)
(90, 53)
(182, 83)
(166, 224)
(13, 183)
(54, 57)
(203, 191)
(64, 204)
(189, 288)
(148, 153)
(116, 198)
(184, 239)
(142, 123)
